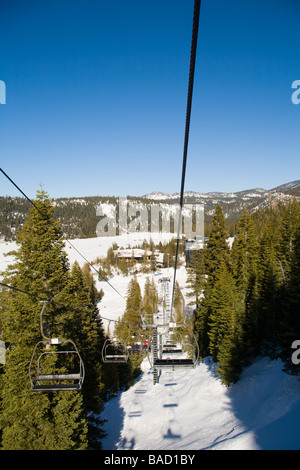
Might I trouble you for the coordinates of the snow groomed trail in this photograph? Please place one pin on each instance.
(193, 410)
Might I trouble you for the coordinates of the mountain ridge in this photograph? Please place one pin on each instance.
(158, 195)
(79, 216)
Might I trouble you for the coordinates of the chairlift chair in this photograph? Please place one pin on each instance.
(50, 357)
(114, 352)
(46, 378)
(182, 360)
(167, 360)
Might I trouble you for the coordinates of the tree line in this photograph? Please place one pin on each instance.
(247, 304)
(247, 295)
(66, 420)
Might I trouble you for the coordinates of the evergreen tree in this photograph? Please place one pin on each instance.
(217, 246)
(225, 309)
(269, 285)
(201, 324)
(150, 298)
(244, 252)
(290, 322)
(178, 305)
(226, 325)
(287, 237)
(196, 276)
(128, 328)
(217, 253)
(86, 330)
(36, 420)
(244, 256)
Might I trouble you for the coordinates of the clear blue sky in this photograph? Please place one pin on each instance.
(96, 96)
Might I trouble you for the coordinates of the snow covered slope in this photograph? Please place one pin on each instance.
(192, 410)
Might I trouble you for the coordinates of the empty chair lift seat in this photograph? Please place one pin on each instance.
(169, 362)
(44, 381)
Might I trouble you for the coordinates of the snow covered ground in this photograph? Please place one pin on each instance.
(190, 409)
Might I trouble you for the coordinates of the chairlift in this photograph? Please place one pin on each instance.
(187, 355)
(56, 364)
(48, 360)
(147, 320)
(171, 349)
(114, 352)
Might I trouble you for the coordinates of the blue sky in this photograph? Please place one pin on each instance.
(96, 96)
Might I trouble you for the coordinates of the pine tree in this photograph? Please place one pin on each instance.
(287, 237)
(201, 324)
(290, 322)
(150, 298)
(244, 256)
(244, 252)
(178, 305)
(216, 253)
(196, 277)
(128, 328)
(87, 332)
(269, 285)
(36, 420)
(225, 309)
(217, 246)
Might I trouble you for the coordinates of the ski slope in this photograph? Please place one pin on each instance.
(190, 409)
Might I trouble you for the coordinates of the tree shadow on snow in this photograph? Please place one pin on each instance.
(114, 415)
(266, 401)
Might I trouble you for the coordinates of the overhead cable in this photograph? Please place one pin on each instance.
(196, 17)
(61, 234)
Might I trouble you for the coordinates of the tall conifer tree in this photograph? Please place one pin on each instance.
(36, 420)
(217, 249)
(216, 253)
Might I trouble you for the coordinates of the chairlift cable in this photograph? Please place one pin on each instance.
(196, 16)
(61, 234)
(41, 299)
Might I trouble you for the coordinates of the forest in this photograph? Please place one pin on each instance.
(41, 273)
(246, 298)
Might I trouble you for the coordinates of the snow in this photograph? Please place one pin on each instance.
(189, 409)
(193, 410)
(5, 258)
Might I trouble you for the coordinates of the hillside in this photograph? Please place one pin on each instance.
(192, 410)
(79, 218)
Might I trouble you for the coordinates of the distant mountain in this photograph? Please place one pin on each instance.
(79, 217)
(234, 203)
(191, 196)
(288, 186)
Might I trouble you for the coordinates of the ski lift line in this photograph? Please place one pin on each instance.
(196, 17)
(61, 234)
(23, 292)
(58, 303)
